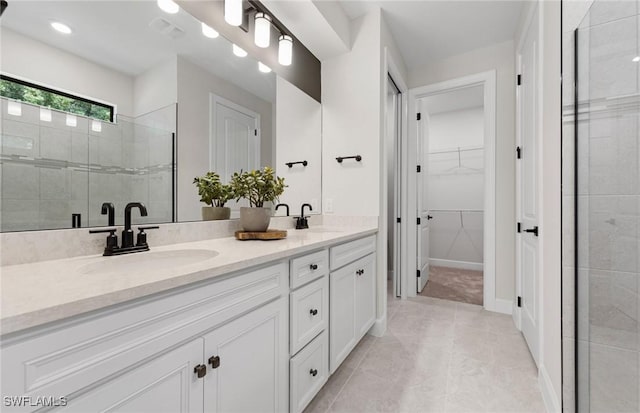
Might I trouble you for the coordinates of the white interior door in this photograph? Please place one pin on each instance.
(235, 140)
(528, 212)
(422, 227)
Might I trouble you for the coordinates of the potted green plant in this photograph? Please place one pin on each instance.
(258, 187)
(215, 194)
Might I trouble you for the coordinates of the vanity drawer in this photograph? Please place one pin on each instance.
(309, 267)
(351, 251)
(309, 312)
(309, 372)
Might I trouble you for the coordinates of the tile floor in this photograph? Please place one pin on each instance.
(436, 356)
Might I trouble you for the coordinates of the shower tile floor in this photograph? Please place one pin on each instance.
(465, 286)
(436, 356)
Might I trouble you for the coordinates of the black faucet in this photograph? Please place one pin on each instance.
(301, 221)
(110, 211)
(283, 205)
(127, 233)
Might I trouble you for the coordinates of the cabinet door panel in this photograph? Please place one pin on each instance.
(166, 384)
(252, 375)
(365, 295)
(341, 315)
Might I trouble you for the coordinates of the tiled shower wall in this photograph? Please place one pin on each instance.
(54, 166)
(608, 198)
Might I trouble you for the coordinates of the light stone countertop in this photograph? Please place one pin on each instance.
(38, 293)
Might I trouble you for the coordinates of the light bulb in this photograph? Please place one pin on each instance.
(14, 108)
(168, 6)
(239, 51)
(262, 30)
(263, 68)
(61, 27)
(72, 120)
(209, 32)
(285, 50)
(45, 114)
(233, 12)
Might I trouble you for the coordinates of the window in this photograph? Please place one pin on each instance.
(38, 95)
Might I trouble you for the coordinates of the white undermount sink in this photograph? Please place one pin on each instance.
(147, 261)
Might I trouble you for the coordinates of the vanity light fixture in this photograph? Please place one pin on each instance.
(238, 51)
(72, 121)
(285, 50)
(45, 114)
(636, 59)
(96, 126)
(209, 32)
(61, 27)
(233, 12)
(14, 108)
(263, 68)
(168, 6)
(262, 30)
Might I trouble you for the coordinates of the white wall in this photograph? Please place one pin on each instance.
(351, 119)
(501, 58)
(40, 63)
(194, 88)
(156, 88)
(456, 128)
(298, 138)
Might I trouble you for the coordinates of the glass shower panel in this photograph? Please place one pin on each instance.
(132, 161)
(608, 208)
(43, 167)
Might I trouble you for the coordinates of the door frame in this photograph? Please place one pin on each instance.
(488, 81)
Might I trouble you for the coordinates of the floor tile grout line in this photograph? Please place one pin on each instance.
(352, 373)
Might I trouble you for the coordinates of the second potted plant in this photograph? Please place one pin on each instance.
(258, 187)
(215, 194)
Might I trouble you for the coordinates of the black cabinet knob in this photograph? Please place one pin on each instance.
(360, 272)
(313, 372)
(214, 361)
(313, 267)
(200, 370)
(313, 311)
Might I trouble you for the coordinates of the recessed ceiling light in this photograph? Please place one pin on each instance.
(238, 51)
(168, 6)
(61, 27)
(263, 68)
(209, 32)
(636, 59)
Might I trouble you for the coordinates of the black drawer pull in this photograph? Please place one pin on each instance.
(313, 311)
(200, 370)
(313, 372)
(313, 267)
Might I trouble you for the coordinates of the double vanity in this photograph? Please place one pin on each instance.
(217, 325)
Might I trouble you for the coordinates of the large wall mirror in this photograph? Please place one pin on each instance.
(106, 101)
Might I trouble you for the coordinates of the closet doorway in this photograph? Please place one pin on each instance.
(453, 189)
(455, 196)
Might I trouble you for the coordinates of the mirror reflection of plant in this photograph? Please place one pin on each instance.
(212, 191)
(258, 186)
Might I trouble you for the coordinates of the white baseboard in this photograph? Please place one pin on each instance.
(379, 327)
(551, 400)
(503, 306)
(464, 265)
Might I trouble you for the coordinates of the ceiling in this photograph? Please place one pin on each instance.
(433, 30)
(459, 99)
(120, 35)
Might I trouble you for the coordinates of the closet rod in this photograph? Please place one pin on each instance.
(475, 148)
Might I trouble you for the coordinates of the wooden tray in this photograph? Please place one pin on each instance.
(270, 234)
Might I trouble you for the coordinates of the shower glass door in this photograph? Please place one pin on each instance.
(607, 62)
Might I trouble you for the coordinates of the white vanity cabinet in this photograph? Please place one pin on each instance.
(142, 356)
(352, 291)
